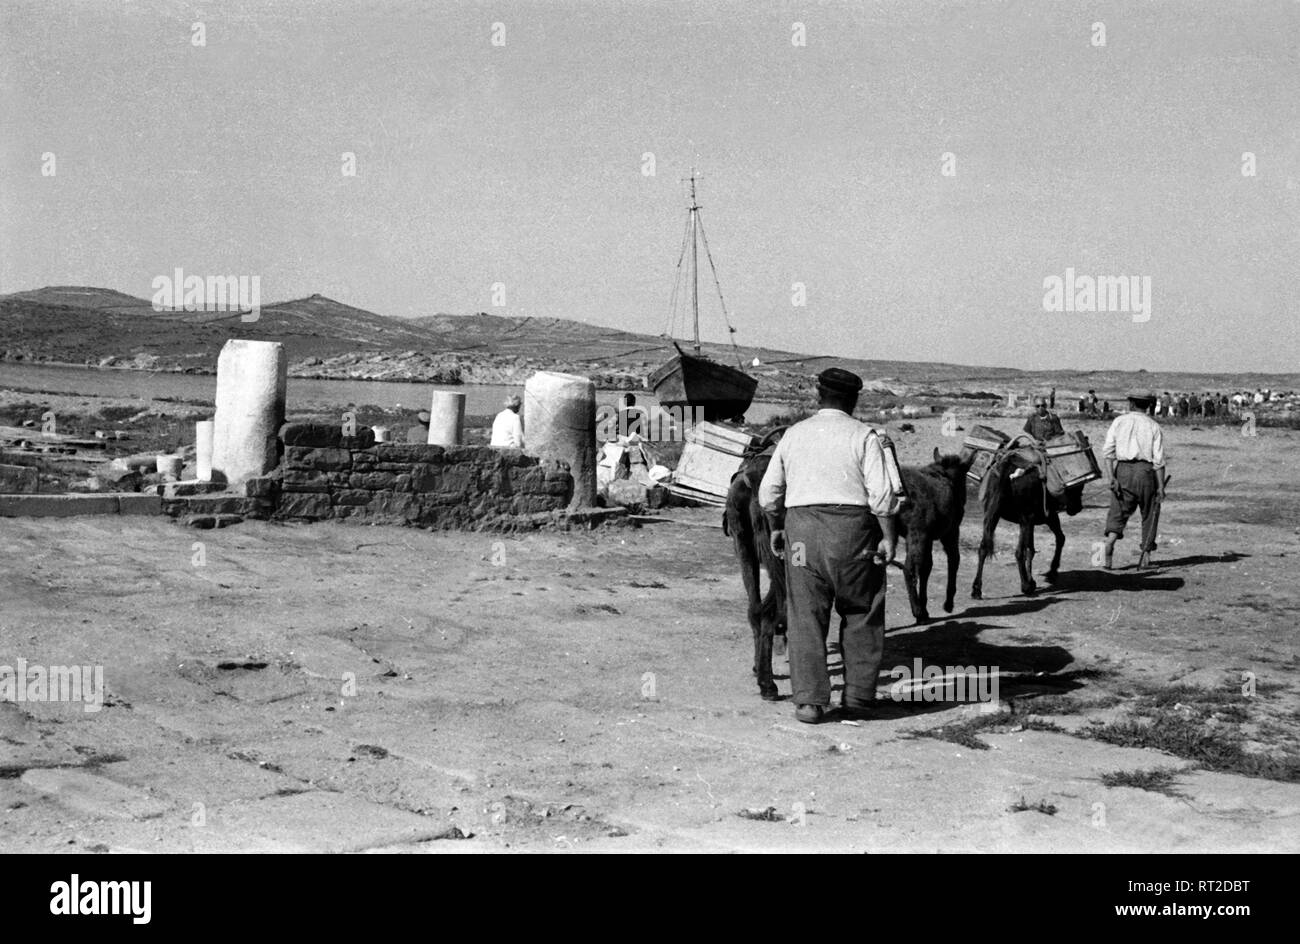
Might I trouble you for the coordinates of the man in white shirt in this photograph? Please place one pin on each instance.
(507, 427)
(830, 500)
(1135, 458)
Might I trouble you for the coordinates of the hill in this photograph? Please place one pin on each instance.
(326, 338)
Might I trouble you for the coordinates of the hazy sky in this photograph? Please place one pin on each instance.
(522, 164)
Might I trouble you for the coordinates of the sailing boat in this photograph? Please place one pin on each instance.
(693, 381)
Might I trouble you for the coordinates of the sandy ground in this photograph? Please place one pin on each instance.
(592, 691)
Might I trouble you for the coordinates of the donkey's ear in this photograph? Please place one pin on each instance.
(936, 454)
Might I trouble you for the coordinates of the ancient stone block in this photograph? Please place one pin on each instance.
(57, 506)
(263, 486)
(409, 452)
(527, 479)
(457, 479)
(351, 496)
(423, 479)
(19, 480)
(316, 505)
(300, 480)
(372, 480)
(391, 506)
(327, 459)
(217, 505)
(190, 488)
(139, 504)
(628, 494)
(312, 435)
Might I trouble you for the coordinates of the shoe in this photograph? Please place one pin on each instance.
(809, 714)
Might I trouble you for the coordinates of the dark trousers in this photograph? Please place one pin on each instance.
(1136, 489)
(828, 562)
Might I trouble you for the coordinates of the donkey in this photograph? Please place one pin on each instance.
(745, 522)
(1014, 492)
(937, 494)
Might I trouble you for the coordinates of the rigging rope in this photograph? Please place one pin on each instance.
(677, 281)
(731, 332)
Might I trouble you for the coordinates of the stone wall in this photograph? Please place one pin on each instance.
(324, 474)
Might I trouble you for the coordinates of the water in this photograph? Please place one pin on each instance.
(304, 395)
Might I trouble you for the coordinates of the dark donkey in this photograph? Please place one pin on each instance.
(937, 494)
(745, 522)
(934, 513)
(1014, 492)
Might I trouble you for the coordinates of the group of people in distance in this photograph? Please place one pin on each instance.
(1209, 404)
(1205, 404)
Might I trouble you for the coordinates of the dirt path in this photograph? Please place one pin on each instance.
(592, 691)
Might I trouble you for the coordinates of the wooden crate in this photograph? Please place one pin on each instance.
(726, 439)
(1072, 459)
(986, 438)
(706, 469)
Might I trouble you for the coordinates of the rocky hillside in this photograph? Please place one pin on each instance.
(329, 339)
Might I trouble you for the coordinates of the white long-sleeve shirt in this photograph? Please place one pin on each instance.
(1134, 435)
(829, 459)
(508, 430)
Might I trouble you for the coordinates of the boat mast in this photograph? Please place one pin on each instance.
(695, 263)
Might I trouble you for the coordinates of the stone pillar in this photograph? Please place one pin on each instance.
(251, 381)
(446, 419)
(203, 450)
(560, 423)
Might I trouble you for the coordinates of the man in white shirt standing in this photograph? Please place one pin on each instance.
(830, 501)
(1135, 458)
(507, 427)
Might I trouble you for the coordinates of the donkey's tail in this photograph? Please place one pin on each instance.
(993, 492)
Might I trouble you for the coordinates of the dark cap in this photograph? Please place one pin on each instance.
(838, 380)
(423, 416)
(1142, 399)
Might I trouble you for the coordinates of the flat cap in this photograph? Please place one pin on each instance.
(1142, 399)
(423, 416)
(839, 380)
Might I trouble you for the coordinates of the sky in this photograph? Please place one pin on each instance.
(522, 163)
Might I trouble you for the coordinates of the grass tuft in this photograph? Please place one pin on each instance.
(1158, 780)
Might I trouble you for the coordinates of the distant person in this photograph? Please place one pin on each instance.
(1105, 408)
(1083, 404)
(1135, 458)
(1184, 407)
(1051, 400)
(1208, 407)
(1092, 402)
(507, 427)
(419, 433)
(1042, 423)
(631, 418)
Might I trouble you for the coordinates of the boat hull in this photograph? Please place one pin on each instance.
(719, 391)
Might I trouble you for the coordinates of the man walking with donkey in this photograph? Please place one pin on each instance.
(1135, 459)
(830, 495)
